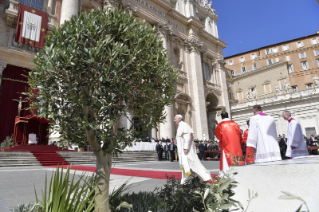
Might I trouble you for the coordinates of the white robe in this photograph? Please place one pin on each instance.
(262, 136)
(184, 139)
(295, 138)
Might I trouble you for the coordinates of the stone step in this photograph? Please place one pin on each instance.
(12, 159)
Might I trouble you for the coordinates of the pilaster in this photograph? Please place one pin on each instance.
(69, 8)
(166, 128)
(200, 126)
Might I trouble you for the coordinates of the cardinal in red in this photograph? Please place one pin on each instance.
(249, 152)
(229, 136)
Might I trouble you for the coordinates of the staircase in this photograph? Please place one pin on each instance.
(46, 155)
(37, 155)
(49, 158)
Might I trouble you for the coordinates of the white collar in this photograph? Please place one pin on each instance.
(226, 119)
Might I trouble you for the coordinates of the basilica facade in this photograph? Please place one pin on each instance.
(189, 33)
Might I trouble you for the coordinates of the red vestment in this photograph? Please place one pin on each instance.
(229, 136)
(249, 152)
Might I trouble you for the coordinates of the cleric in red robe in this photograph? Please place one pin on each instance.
(249, 152)
(229, 136)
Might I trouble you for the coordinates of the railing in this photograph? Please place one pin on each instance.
(274, 97)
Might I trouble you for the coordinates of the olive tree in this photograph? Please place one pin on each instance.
(93, 70)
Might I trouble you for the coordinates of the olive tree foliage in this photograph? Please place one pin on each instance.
(98, 67)
(95, 69)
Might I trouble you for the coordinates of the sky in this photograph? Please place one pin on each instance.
(249, 24)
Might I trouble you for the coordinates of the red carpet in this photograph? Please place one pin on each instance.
(29, 148)
(132, 172)
(47, 158)
(46, 154)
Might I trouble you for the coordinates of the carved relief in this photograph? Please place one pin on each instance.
(109, 4)
(164, 29)
(193, 45)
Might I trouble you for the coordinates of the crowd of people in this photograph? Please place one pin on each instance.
(259, 143)
(166, 149)
(311, 141)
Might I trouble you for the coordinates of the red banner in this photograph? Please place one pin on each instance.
(32, 26)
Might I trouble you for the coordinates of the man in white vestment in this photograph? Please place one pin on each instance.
(262, 137)
(295, 140)
(188, 159)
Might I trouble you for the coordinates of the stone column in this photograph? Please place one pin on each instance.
(153, 133)
(196, 81)
(166, 128)
(3, 65)
(223, 83)
(50, 6)
(69, 8)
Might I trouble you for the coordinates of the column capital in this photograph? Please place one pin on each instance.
(128, 7)
(221, 62)
(193, 45)
(164, 29)
(109, 4)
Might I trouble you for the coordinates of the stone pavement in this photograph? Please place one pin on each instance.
(17, 183)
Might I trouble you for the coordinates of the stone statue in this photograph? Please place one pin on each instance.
(247, 95)
(277, 90)
(19, 105)
(286, 86)
(315, 80)
(254, 94)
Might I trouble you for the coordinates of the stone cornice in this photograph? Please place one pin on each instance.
(192, 21)
(259, 70)
(212, 38)
(288, 52)
(287, 98)
(165, 4)
(23, 59)
(170, 12)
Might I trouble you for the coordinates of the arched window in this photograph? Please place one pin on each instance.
(207, 72)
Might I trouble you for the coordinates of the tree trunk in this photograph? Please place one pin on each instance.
(103, 171)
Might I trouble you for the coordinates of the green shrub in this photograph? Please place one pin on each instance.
(64, 195)
(144, 202)
(8, 142)
(182, 198)
(26, 208)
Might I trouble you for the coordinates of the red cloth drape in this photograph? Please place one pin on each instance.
(12, 90)
(44, 26)
(229, 136)
(249, 152)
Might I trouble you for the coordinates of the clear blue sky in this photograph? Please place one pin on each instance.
(249, 24)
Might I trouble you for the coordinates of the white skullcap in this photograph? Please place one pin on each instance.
(179, 116)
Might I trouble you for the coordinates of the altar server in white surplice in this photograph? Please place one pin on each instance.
(262, 137)
(188, 159)
(295, 140)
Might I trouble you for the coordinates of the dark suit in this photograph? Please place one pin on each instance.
(159, 150)
(283, 146)
(201, 148)
(166, 152)
(172, 149)
(313, 142)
